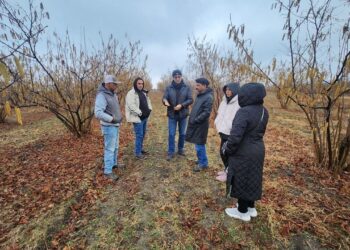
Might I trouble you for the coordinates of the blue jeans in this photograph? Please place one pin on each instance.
(140, 132)
(172, 123)
(201, 155)
(111, 145)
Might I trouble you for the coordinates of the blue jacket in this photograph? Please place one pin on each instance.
(181, 96)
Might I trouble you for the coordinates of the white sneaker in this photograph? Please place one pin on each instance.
(233, 212)
(251, 210)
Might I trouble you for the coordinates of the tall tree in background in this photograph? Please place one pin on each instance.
(64, 78)
(206, 61)
(218, 66)
(17, 26)
(316, 77)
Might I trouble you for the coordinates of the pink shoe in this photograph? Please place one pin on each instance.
(221, 173)
(222, 177)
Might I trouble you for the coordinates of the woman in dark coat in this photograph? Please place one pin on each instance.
(246, 151)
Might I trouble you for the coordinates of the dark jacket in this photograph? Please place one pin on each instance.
(245, 145)
(180, 95)
(146, 111)
(198, 123)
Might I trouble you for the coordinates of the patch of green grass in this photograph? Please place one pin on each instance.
(24, 135)
(234, 235)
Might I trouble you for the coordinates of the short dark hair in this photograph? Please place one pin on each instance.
(202, 81)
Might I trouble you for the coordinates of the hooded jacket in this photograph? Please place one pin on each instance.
(245, 145)
(132, 105)
(227, 110)
(107, 107)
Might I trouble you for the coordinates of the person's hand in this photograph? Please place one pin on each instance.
(166, 103)
(114, 121)
(178, 107)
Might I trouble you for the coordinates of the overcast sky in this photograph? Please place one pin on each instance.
(163, 26)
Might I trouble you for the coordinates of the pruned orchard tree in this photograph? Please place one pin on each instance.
(13, 47)
(126, 62)
(164, 81)
(316, 76)
(206, 60)
(219, 67)
(64, 79)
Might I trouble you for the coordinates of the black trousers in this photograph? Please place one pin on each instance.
(223, 157)
(244, 204)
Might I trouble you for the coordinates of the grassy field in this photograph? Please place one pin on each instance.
(53, 194)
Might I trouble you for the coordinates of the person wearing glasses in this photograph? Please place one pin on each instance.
(177, 98)
(138, 107)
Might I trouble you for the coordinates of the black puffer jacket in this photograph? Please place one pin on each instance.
(245, 145)
(181, 94)
(198, 123)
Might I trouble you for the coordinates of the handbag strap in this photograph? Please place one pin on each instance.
(261, 119)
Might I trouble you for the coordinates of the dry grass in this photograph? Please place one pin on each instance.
(164, 205)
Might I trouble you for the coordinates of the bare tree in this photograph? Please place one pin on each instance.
(165, 80)
(205, 60)
(17, 25)
(312, 81)
(65, 80)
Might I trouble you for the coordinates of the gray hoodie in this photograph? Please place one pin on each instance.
(107, 107)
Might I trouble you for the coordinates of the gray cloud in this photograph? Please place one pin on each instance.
(164, 26)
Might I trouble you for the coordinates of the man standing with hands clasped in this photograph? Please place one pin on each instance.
(107, 110)
(177, 97)
(198, 124)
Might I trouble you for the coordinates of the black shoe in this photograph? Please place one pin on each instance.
(140, 157)
(112, 176)
(144, 152)
(169, 157)
(198, 168)
(120, 165)
(182, 153)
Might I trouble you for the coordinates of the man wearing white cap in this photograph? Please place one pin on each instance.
(107, 110)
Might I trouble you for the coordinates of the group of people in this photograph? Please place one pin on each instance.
(177, 98)
(241, 123)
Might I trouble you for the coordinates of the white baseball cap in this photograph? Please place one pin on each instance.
(111, 79)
